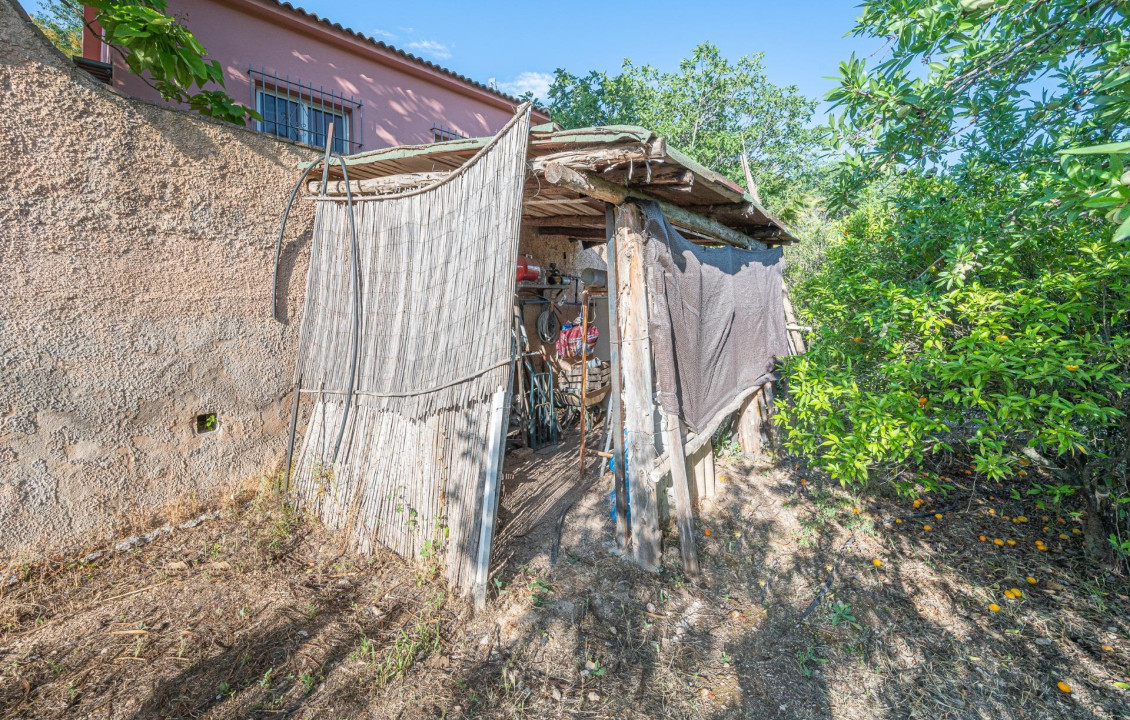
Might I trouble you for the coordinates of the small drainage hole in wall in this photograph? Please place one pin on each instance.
(206, 423)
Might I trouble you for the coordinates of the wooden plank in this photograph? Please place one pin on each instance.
(616, 405)
(749, 425)
(638, 390)
(709, 476)
(697, 440)
(674, 433)
(692, 464)
(601, 189)
(491, 491)
(795, 335)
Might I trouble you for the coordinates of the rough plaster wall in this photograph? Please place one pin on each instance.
(136, 248)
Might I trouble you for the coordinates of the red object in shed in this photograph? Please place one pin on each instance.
(527, 270)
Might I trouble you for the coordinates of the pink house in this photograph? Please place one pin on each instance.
(301, 72)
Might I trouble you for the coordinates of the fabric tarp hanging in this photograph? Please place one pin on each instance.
(436, 277)
(717, 322)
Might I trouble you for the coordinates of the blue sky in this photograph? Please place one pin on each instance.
(520, 45)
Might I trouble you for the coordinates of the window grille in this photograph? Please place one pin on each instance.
(296, 111)
(440, 134)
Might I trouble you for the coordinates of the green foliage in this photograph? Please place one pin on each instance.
(1000, 83)
(975, 300)
(164, 52)
(712, 109)
(62, 24)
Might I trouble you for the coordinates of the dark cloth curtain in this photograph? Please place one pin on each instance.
(717, 322)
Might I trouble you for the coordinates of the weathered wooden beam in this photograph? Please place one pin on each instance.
(601, 189)
(588, 233)
(674, 436)
(379, 186)
(638, 391)
(697, 440)
(595, 159)
(795, 334)
(587, 221)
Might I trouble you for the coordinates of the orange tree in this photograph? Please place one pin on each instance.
(978, 297)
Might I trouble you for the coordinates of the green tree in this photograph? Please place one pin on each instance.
(977, 300)
(711, 108)
(62, 25)
(155, 47)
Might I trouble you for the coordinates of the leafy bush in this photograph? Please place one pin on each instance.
(976, 298)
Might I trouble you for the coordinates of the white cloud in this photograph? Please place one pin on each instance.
(536, 82)
(381, 33)
(432, 48)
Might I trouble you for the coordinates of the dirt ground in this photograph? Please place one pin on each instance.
(257, 613)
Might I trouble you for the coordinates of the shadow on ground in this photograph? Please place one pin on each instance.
(259, 614)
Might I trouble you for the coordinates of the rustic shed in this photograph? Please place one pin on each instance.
(432, 332)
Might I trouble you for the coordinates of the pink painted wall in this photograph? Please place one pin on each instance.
(401, 99)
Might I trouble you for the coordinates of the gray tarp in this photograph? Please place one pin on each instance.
(717, 321)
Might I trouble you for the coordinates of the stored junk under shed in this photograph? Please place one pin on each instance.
(460, 342)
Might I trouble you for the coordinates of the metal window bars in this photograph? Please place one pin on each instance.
(297, 111)
(440, 134)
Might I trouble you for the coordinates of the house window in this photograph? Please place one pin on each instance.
(440, 134)
(297, 111)
(301, 119)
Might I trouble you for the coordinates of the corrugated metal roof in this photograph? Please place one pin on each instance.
(303, 12)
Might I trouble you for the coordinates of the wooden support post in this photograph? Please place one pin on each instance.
(616, 406)
(638, 394)
(796, 337)
(749, 424)
(674, 433)
(492, 489)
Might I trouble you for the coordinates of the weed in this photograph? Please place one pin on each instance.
(265, 682)
(366, 652)
(804, 660)
(841, 613)
(308, 680)
(499, 585)
(421, 640)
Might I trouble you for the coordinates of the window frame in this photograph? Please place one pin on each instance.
(303, 131)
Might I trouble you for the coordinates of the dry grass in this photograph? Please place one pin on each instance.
(259, 614)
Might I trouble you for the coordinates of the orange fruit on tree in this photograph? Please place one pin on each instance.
(877, 562)
(994, 607)
(925, 527)
(998, 542)
(1063, 687)
(1031, 580)
(1011, 542)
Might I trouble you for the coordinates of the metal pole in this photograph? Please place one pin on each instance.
(293, 430)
